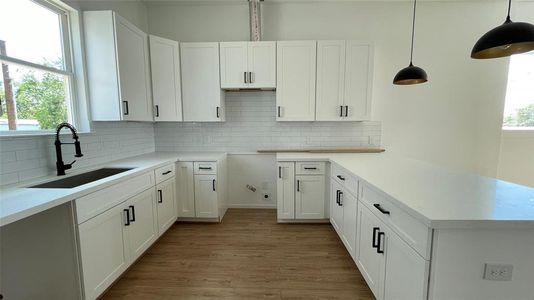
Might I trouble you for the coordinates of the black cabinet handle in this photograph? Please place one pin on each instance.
(213, 185)
(127, 211)
(160, 200)
(382, 210)
(337, 196)
(279, 112)
(375, 231)
(250, 77)
(245, 76)
(133, 213)
(165, 173)
(341, 177)
(157, 110)
(346, 110)
(280, 172)
(126, 109)
(298, 185)
(379, 246)
(310, 168)
(218, 112)
(204, 168)
(341, 111)
(340, 198)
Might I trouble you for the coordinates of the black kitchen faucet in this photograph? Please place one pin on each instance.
(60, 166)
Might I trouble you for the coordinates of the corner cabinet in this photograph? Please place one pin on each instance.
(202, 97)
(247, 65)
(344, 72)
(166, 82)
(117, 68)
(295, 80)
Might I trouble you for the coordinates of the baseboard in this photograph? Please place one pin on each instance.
(205, 220)
(307, 221)
(263, 206)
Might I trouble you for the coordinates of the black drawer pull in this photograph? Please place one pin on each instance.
(160, 200)
(380, 246)
(127, 211)
(279, 112)
(375, 231)
(245, 76)
(157, 110)
(346, 110)
(298, 185)
(341, 177)
(382, 210)
(213, 185)
(133, 213)
(310, 168)
(165, 173)
(341, 111)
(218, 112)
(204, 168)
(280, 172)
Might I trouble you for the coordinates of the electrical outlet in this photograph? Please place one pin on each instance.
(498, 272)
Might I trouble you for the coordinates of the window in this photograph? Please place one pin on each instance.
(519, 107)
(37, 80)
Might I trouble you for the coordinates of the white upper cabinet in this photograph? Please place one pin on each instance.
(117, 68)
(295, 80)
(343, 81)
(248, 65)
(202, 97)
(166, 82)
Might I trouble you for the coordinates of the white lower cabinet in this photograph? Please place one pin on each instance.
(309, 198)
(343, 214)
(206, 196)
(336, 210)
(111, 241)
(185, 190)
(286, 190)
(166, 195)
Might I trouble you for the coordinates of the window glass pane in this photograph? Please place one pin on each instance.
(519, 107)
(41, 99)
(31, 32)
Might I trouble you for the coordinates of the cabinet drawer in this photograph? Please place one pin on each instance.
(209, 167)
(413, 232)
(309, 168)
(164, 173)
(346, 179)
(95, 203)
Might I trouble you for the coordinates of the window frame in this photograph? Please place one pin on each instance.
(74, 68)
(515, 130)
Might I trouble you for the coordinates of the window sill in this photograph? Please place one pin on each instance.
(34, 134)
(518, 132)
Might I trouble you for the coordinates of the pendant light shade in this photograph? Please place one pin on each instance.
(411, 74)
(505, 40)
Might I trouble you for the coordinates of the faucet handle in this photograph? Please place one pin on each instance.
(68, 166)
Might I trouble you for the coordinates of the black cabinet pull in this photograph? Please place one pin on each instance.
(250, 77)
(310, 168)
(127, 211)
(375, 231)
(157, 110)
(204, 168)
(298, 185)
(279, 112)
(382, 210)
(379, 246)
(341, 111)
(126, 109)
(280, 172)
(218, 112)
(337, 196)
(340, 198)
(165, 173)
(346, 110)
(341, 177)
(160, 200)
(213, 185)
(133, 213)
(245, 76)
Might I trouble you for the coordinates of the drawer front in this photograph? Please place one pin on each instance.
(413, 232)
(310, 168)
(206, 168)
(98, 202)
(345, 179)
(164, 173)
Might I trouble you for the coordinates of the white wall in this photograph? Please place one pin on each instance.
(516, 161)
(133, 11)
(453, 120)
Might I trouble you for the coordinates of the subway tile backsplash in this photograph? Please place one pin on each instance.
(251, 125)
(24, 158)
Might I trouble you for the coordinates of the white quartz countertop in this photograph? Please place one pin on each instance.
(437, 196)
(18, 202)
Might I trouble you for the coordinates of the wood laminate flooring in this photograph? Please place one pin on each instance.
(247, 256)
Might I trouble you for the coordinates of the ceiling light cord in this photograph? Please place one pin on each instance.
(509, 7)
(413, 31)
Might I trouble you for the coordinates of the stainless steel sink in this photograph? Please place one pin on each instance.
(81, 179)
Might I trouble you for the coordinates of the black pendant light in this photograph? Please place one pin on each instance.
(411, 74)
(505, 40)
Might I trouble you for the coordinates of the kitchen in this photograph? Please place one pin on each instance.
(181, 87)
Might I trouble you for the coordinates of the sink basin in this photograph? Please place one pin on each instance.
(81, 179)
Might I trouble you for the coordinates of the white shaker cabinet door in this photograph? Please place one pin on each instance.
(358, 75)
(350, 213)
(285, 186)
(262, 65)
(166, 82)
(234, 69)
(166, 194)
(206, 196)
(142, 230)
(309, 197)
(295, 80)
(330, 80)
(185, 196)
(336, 209)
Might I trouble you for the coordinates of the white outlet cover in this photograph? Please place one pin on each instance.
(498, 272)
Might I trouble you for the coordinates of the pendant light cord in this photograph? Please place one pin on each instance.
(509, 6)
(413, 30)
